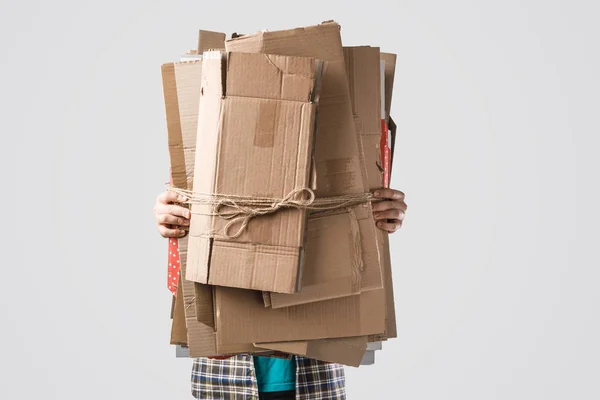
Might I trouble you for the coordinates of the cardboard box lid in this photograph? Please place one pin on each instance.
(255, 139)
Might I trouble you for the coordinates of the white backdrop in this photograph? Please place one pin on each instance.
(495, 270)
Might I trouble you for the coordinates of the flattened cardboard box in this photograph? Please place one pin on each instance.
(391, 331)
(363, 66)
(181, 84)
(340, 170)
(371, 95)
(182, 126)
(255, 139)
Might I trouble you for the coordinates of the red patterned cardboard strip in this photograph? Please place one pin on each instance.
(385, 153)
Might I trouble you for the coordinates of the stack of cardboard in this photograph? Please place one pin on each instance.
(270, 115)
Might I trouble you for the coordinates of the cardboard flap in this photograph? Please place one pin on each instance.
(390, 72)
(272, 76)
(209, 40)
(347, 351)
(204, 304)
(256, 122)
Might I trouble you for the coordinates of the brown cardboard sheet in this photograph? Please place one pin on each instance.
(340, 170)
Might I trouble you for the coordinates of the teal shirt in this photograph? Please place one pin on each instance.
(275, 374)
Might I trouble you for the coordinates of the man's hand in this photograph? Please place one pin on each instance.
(172, 220)
(390, 212)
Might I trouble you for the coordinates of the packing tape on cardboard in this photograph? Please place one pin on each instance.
(241, 209)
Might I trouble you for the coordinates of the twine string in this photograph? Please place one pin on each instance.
(240, 210)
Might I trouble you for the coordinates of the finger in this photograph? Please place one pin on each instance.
(391, 225)
(170, 232)
(394, 213)
(169, 197)
(389, 204)
(173, 209)
(168, 219)
(387, 193)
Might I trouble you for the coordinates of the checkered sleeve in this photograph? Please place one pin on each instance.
(317, 380)
(229, 379)
(235, 379)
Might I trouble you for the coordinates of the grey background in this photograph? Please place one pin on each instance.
(496, 268)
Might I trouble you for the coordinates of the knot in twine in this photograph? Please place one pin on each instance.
(241, 209)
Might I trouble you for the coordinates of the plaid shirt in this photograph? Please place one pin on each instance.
(234, 379)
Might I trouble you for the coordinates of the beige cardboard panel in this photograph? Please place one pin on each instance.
(260, 147)
(362, 67)
(267, 299)
(391, 330)
(204, 304)
(178, 328)
(287, 78)
(327, 279)
(365, 70)
(172, 306)
(181, 88)
(339, 158)
(261, 267)
(347, 351)
(243, 318)
(337, 151)
(209, 40)
(205, 162)
(390, 72)
(329, 239)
